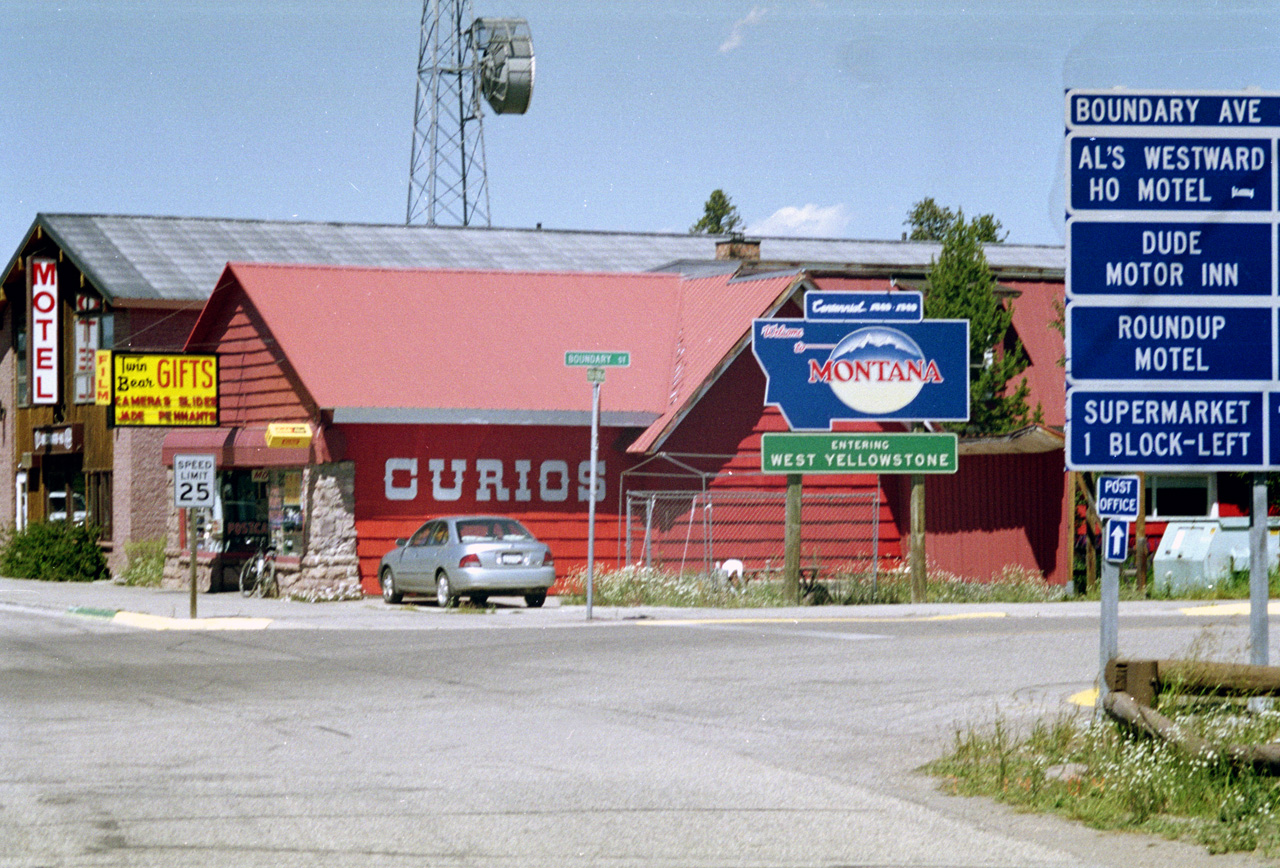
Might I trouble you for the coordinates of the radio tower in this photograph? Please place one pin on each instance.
(458, 60)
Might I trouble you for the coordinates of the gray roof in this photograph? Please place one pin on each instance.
(181, 258)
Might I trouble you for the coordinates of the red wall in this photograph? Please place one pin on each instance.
(537, 474)
(997, 511)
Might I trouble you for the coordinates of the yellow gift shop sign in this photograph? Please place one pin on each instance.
(164, 390)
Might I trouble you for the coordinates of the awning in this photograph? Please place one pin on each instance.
(247, 447)
(1025, 441)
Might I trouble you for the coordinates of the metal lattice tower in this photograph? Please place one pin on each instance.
(448, 182)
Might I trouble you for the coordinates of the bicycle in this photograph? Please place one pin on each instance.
(258, 575)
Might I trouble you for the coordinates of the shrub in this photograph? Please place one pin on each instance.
(145, 562)
(54, 551)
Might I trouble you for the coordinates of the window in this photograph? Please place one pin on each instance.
(1181, 496)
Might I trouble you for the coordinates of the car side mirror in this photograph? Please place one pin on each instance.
(401, 542)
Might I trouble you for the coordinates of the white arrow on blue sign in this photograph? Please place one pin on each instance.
(1117, 541)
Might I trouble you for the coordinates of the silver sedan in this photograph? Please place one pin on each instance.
(468, 555)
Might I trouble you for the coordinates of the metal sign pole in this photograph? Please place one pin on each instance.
(591, 497)
(1259, 586)
(1109, 645)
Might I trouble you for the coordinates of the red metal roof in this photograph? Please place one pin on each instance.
(370, 340)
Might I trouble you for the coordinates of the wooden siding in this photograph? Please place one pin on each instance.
(255, 383)
(998, 511)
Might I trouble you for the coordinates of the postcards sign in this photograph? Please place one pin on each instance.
(820, 372)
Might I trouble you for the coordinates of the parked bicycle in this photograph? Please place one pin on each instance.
(258, 575)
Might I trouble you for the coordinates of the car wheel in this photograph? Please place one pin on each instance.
(445, 597)
(535, 601)
(389, 593)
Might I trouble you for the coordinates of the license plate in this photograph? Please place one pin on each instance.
(512, 558)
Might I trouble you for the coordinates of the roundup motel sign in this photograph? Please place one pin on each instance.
(164, 390)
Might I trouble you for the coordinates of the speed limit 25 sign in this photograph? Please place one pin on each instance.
(194, 483)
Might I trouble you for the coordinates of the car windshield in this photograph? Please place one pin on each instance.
(492, 530)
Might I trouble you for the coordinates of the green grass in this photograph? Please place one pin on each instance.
(145, 563)
(1099, 773)
(643, 586)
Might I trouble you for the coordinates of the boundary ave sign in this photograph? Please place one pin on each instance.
(1171, 282)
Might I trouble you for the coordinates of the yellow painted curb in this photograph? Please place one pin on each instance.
(157, 622)
(1085, 698)
(670, 622)
(1241, 608)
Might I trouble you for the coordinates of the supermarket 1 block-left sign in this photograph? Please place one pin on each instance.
(821, 372)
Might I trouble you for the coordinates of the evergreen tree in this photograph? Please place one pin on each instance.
(720, 216)
(961, 285)
(930, 221)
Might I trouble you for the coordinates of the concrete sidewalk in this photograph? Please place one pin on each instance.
(169, 609)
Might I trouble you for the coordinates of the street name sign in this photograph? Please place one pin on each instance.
(591, 359)
(1171, 281)
(858, 453)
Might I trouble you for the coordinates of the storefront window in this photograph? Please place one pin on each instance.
(256, 505)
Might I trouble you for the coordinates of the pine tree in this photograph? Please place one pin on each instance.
(961, 285)
(720, 216)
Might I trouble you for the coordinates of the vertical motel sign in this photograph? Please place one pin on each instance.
(42, 331)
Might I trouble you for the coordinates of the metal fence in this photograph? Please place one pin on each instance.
(696, 531)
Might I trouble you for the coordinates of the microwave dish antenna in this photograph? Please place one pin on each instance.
(505, 50)
(458, 66)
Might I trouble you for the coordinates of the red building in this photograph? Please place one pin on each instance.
(432, 391)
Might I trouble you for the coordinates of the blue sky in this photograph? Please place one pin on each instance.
(817, 117)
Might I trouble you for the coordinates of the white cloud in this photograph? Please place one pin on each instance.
(809, 221)
(739, 29)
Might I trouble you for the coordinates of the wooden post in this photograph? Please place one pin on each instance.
(917, 566)
(791, 540)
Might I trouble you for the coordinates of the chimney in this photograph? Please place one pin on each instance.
(738, 247)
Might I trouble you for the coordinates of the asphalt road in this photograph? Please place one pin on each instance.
(546, 741)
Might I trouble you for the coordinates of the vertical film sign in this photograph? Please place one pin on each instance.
(42, 321)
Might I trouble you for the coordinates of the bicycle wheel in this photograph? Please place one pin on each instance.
(249, 577)
(268, 578)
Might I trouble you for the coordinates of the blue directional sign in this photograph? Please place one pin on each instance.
(1223, 110)
(820, 372)
(1161, 174)
(1171, 429)
(1144, 258)
(1116, 543)
(864, 306)
(1117, 497)
(1170, 343)
(1173, 281)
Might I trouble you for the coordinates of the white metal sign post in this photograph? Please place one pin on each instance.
(595, 363)
(194, 487)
